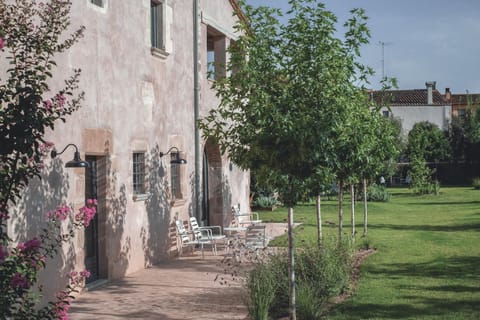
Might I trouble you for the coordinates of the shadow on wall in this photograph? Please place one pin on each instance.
(29, 218)
(227, 201)
(155, 237)
(118, 249)
(219, 198)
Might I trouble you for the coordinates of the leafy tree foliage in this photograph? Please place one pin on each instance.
(426, 141)
(31, 35)
(291, 104)
(464, 137)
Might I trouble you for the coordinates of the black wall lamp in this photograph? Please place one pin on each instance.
(77, 162)
(177, 159)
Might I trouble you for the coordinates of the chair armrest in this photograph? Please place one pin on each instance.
(204, 233)
(256, 215)
(211, 228)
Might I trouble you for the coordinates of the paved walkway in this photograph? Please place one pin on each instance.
(182, 288)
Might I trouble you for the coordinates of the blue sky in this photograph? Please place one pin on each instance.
(425, 40)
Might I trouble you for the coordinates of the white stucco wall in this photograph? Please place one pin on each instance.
(134, 101)
(409, 115)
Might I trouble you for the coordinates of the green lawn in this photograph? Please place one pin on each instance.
(428, 261)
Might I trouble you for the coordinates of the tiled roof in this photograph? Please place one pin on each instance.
(473, 98)
(415, 97)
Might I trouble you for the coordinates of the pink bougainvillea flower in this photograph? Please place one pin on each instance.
(30, 246)
(4, 214)
(19, 282)
(38, 262)
(61, 213)
(91, 202)
(85, 273)
(62, 306)
(87, 212)
(48, 104)
(61, 100)
(2, 43)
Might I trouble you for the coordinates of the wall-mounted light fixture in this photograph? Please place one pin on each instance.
(177, 159)
(77, 162)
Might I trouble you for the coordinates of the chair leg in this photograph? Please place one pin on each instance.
(214, 247)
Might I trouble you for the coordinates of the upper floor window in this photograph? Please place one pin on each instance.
(385, 113)
(216, 54)
(461, 113)
(100, 3)
(157, 14)
(175, 178)
(139, 173)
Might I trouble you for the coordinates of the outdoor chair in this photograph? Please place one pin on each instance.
(191, 239)
(214, 233)
(255, 237)
(245, 218)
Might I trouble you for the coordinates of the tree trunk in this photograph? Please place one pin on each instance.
(365, 207)
(352, 209)
(291, 268)
(340, 210)
(319, 220)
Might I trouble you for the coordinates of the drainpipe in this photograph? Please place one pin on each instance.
(196, 94)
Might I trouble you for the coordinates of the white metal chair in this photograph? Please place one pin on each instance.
(245, 218)
(213, 233)
(192, 239)
(255, 237)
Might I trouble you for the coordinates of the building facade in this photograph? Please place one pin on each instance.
(417, 105)
(462, 102)
(144, 74)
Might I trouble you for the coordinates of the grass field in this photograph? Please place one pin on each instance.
(428, 261)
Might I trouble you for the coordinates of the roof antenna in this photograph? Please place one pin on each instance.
(383, 44)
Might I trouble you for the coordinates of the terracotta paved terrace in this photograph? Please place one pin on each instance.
(182, 288)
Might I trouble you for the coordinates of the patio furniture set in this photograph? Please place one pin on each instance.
(247, 230)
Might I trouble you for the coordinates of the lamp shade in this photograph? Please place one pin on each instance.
(77, 162)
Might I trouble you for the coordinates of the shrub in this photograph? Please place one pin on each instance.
(321, 273)
(476, 183)
(378, 193)
(309, 304)
(427, 188)
(421, 178)
(265, 201)
(261, 288)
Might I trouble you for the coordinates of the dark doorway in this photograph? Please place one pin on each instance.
(213, 213)
(95, 182)
(205, 204)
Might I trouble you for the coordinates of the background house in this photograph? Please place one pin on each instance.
(417, 105)
(462, 102)
(142, 87)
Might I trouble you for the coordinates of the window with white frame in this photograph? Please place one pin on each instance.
(157, 27)
(175, 178)
(139, 173)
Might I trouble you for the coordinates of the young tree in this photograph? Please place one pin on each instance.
(464, 136)
(426, 143)
(290, 94)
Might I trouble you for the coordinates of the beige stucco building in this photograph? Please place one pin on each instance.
(138, 74)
